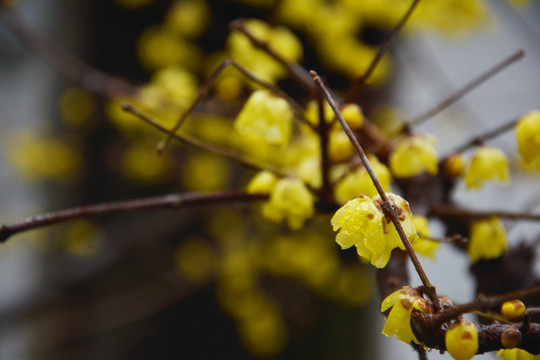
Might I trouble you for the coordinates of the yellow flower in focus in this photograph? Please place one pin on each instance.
(516, 354)
(398, 322)
(414, 155)
(266, 115)
(488, 163)
(361, 222)
(487, 239)
(462, 340)
(528, 138)
(358, 182)
(292, 200)
(423, 246)
(263, 182)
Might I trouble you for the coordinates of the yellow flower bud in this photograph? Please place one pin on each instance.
(312, 112)
(487, 239)
(339, 146)
(267, 116)
(414, 155)
(462, 340)
(454, 165)
(488, 163)
(513, 310)
(353, 115)
(510, 338)
(528, 137)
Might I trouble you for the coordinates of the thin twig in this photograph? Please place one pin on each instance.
(446, 211)
(388, 207)
(300, 74)
(65, 62)
(459, 93)
(381, 51)
(205, 87)
(480, 139)
(196, 143)
(173, 201)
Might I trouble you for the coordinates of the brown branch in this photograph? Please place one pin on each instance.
(172, 201)
(459, 93)
(205, 88)
(64, 62)
(300, 74)
(381, 51)
(447, 211)
(480, 139)
(388, 208)
(196, 143)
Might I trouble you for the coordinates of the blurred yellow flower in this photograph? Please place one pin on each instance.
(528, 138)
(424, 246)
(262, 182)
(516, 354)
(488, 163)
(487, 239)
(290, 199)
(267, 116)
(414, 155)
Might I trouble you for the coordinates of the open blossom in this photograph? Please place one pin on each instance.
(289, 199)
(488, 163)
(487, 239)
(414, 155)
(268, 116)
(398, 322)
(361, 222)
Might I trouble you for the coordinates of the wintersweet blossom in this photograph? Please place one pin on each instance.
(362, 222)
(359, 182)
(267, 116)
(528, 137)
(487, 239)
(462, 340)
(398, 322)
(488, 163)
(414, 155)
(516, 354)
(289, 199)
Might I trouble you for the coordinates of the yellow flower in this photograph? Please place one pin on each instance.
(516, 354)
(488, 163)
(353, 116)
(339, 146)
(312, 112)
(528, 137)
(358, 182)
(267, 116)
(487, 239)
(362, 223)
(454, 165)
(513, 310)
(289, 199)
(414, 155)
(398, 322)
(423, 246)
(462, 341)
(263, 182)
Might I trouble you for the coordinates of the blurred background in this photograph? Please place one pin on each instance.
(219, 281)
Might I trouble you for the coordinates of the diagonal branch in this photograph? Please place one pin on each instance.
(388, 208)
(459, 93)
(172, 201)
